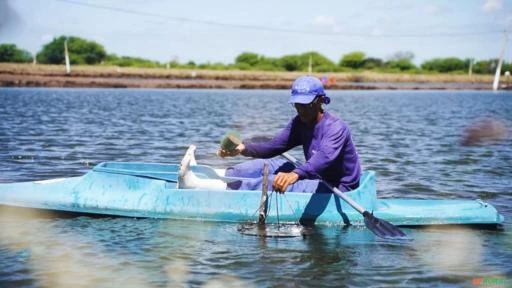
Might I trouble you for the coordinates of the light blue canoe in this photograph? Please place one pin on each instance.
(151, 190)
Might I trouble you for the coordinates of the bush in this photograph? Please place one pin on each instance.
(445, 64)
(248, 58)
(400, 64)
(325, 68)
(506, 67)
(11, 53)
(485, 66)
(354, 60)
(268, 67)
(291, 63)
(317, 60)
(80, 51)
(242, 66)
(126, 61)
(372, 63)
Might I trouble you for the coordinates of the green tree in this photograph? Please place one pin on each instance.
(506, 67)
(11, 53)
(318, 61)
(445, 64)
(485, 66)
(372, 63)
(401, 64)
(291, 63)
(81, 51)
(401, 60)
(126, 61)
(269, 64)
(354, 60)
(249, 58)
(489, 66)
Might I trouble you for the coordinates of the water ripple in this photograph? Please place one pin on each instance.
(411, 139)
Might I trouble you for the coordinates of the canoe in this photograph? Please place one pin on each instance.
(134, 189)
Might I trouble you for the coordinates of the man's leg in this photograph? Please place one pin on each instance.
(304, 186)
(254, 169)
(188, 180)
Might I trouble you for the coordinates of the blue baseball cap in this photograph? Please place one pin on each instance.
(305, 89)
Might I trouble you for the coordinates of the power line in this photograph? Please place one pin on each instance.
(274, 29)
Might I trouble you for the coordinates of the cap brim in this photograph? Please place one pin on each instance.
(302, 99)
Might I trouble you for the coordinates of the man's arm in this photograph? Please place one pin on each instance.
(282, 142)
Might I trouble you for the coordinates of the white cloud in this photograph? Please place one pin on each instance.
(492, 5)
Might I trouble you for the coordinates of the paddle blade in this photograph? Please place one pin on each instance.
(382, 228)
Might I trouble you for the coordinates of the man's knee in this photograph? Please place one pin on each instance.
(248, 169)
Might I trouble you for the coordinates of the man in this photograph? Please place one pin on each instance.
(326, 141)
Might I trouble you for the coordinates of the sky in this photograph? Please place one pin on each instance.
(218, 31)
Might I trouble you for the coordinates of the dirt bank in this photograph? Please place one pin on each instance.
(28, 75)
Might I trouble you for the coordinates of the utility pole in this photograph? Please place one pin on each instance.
(495, 84)
(66, 56)
(310, 68)
(470, 72)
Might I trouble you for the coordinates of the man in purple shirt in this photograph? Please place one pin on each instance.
(326, 140)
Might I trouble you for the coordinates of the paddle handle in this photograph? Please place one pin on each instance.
(333, 189)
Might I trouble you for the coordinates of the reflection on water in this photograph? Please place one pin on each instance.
(274, 230)
(412, 140)
(484, 131)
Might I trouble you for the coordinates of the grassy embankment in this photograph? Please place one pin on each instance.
(28, 75)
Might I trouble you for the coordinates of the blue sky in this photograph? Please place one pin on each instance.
(218, 31)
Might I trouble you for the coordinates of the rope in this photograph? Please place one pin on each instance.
(270, 201)
(277, 209)
(289, 204)
(269, 198)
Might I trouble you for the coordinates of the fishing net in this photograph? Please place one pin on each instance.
(273, 230)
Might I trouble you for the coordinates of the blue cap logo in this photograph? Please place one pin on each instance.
(305, 89)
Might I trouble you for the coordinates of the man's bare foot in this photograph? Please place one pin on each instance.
(187, 179)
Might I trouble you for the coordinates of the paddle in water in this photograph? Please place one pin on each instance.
(379, 227)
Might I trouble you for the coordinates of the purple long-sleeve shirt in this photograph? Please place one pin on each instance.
(328, 149)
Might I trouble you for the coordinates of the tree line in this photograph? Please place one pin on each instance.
(85, 52)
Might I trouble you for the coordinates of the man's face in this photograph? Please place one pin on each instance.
(308, 113)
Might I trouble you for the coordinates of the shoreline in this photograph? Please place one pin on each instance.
(29, 75)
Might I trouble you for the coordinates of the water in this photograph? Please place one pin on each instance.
(411, 138)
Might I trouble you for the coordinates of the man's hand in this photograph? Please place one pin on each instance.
(283, 180)
(226, 153)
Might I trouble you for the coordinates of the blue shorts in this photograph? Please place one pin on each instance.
(253, 169)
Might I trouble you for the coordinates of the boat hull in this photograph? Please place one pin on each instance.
(149, 190)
